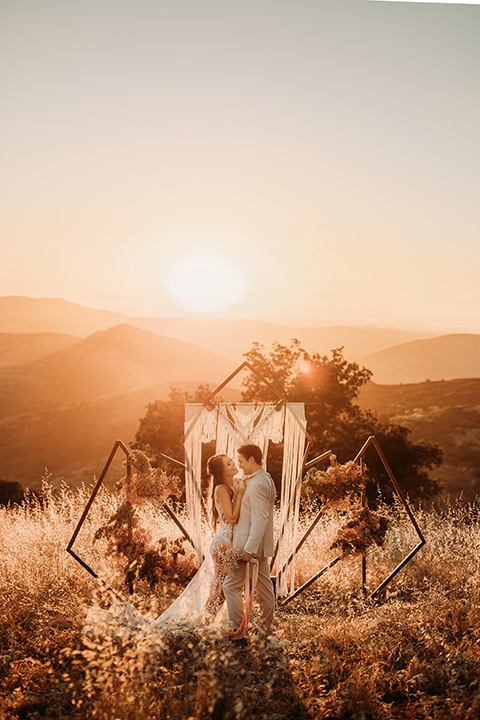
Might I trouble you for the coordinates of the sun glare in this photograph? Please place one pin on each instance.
(206, 282)
(306, 367)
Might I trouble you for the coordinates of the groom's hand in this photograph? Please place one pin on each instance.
(246, 556)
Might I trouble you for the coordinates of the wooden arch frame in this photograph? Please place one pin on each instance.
(282, 399)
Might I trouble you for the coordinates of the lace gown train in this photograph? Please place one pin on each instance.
(202, 602)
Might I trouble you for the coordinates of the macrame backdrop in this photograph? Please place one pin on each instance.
(293, 461)
(233, 425)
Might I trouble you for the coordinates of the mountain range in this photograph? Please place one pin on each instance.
(64, 400)
(229, 338)
(394, 355)
(440, 358)
(74, 379)
(105, 363)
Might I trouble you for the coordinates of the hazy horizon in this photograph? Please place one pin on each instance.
(287, 321)
(316, 163)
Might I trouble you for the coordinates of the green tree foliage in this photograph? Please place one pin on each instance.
(328, 385)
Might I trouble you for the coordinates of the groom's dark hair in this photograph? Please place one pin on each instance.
(249, 451)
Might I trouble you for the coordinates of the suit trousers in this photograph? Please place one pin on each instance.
(233, 587)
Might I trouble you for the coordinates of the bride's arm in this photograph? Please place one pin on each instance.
(225, 502)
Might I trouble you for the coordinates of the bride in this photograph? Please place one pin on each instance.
(203, 600)
(225, 500)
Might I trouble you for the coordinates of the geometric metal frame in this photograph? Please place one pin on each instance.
(281, 400)
(245, 364)
(119, 445)
(208, 402)
(371, 441)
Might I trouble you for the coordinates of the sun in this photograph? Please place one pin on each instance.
(206, 282)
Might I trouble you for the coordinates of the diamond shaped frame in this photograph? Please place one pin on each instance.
(119, 445)
(281, 400)
(371, 441)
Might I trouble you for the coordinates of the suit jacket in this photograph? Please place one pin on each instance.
(254, 529)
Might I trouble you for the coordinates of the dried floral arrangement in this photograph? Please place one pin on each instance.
(337, 484)
(363, 530)
(341, 485)
(138, 557)
(145, 482)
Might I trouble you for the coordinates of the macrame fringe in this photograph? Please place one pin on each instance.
(293, 451)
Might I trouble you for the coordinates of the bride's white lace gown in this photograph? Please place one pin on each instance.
(202, 602)
(202, 599)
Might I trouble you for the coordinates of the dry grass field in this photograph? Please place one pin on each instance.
(413, 654)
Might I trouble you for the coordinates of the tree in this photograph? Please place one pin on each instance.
(161, 430)
(328, 385)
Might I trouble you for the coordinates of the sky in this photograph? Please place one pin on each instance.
(304, 160)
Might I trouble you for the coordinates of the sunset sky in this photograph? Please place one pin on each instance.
(306, 159)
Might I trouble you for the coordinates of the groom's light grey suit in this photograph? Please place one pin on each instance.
(254, 534)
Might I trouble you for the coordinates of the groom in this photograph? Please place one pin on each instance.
(253, 536)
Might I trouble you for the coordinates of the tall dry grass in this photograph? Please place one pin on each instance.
(414, 653)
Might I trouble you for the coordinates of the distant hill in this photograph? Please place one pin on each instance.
(73, 442)
(106, 363)
(446, 413)
(53, 315)
(233, 338)
(228, 338)
(390, 400)
(441, 358)
(19, 349)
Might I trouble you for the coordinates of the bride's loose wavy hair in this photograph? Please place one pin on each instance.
(216, 471)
